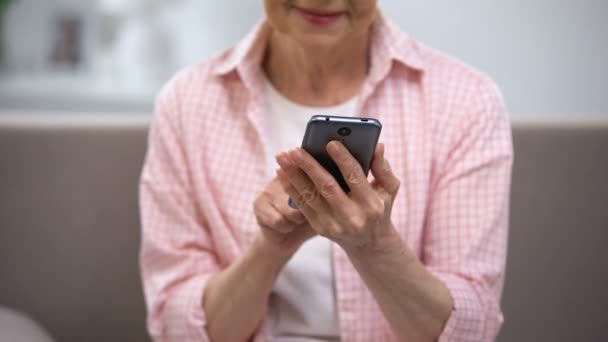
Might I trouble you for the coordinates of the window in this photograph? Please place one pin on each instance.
(109, 55)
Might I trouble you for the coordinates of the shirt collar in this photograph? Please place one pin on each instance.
(388, 44)
(249, 51)
(389, 41)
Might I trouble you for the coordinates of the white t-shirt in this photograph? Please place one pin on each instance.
(303, 301)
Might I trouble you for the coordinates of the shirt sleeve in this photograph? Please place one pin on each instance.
(467, 223)
(176, 256)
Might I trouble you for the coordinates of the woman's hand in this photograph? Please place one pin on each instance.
(358, 220)
(283, 227)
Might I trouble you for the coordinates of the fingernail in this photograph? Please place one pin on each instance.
(281, 158)
(334, 146)
(297, 154)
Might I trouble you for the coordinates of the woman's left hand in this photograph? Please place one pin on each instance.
(358, 220)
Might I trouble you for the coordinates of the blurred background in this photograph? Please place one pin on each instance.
(77, 83)
(548, 56)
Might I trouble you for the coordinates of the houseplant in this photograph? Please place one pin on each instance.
(3, 6)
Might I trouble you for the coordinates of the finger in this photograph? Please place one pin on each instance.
(326, 184)
(292, 215)
(267, 216)
(350, 169)
(321, 223)
(308, 212)
(301, 183)
(305, 232)
(383, 173)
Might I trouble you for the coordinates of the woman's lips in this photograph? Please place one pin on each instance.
(319, 17)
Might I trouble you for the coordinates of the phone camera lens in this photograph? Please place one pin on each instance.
(344, 131)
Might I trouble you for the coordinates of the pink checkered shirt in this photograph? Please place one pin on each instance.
(447, 136)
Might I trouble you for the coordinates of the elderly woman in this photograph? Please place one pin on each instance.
(414, 253)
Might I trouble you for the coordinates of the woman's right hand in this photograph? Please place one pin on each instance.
(283, 228)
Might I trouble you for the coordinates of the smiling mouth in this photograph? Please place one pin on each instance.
(319, 17)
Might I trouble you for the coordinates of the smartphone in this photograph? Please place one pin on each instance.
(359, 135)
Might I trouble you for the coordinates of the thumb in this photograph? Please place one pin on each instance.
(383, 173)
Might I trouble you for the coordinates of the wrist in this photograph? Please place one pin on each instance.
(272, 254)
(384, 246)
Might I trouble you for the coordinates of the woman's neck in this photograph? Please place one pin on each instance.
(316, 76)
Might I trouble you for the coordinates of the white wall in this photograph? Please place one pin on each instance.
(550, 57)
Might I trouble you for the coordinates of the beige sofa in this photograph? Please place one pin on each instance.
(69, 228)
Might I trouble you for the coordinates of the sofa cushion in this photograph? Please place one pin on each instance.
(70, 226)
(557, 267)
(17, 327)
(69, 229)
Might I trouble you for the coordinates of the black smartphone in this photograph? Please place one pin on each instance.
(359, 135)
